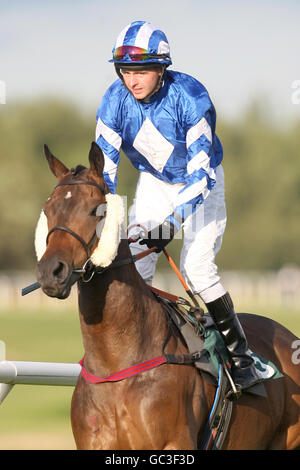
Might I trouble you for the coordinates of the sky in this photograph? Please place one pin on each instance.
(240, 50)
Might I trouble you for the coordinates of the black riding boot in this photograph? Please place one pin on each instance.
(243, 370)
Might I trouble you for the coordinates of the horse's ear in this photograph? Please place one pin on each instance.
(96, 159)
(56, 166)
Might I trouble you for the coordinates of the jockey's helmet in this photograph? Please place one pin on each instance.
(141, 45)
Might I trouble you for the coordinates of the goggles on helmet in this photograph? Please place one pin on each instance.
(135, 54)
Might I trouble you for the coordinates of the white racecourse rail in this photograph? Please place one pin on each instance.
(34, 373)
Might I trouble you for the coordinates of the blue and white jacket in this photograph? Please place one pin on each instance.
(172, 137)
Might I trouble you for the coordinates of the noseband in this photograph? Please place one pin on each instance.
(85, 245)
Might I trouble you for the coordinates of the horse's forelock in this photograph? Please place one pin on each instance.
(78, 169)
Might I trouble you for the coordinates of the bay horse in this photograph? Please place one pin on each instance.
(123, 324)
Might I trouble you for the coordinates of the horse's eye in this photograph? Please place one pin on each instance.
(93, 212)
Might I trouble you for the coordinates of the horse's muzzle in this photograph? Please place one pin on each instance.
(54, 275)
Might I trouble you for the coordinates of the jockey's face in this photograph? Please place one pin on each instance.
(141, 83)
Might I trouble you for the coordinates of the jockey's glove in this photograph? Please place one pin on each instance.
(160, 236)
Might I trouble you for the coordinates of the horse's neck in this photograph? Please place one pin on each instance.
(121, 322)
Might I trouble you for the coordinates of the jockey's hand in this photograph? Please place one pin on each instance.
(160, 236)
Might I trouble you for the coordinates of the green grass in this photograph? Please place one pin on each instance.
(55, 337)
(288, 316)
(39, 336)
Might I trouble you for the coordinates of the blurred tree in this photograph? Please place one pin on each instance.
(262, 192)
(26, 180)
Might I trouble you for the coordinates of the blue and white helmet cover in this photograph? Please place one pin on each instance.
(144, 36)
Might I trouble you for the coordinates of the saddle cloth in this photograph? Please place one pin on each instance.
(210, 346)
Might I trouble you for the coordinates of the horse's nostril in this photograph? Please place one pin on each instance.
(60, 271)
(53, 275)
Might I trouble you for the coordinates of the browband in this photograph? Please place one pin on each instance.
(92, 183)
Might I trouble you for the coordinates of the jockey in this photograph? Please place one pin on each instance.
(164, 121)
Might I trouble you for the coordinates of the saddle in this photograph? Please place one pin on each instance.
(208, 354)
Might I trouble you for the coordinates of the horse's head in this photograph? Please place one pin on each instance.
(69, 226)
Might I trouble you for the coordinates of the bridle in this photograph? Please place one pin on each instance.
(88, 268)
(86, 246)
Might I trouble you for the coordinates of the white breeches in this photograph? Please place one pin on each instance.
(203, 232)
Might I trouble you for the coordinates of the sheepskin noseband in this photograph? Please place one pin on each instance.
(110, 230)
(41, 233)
